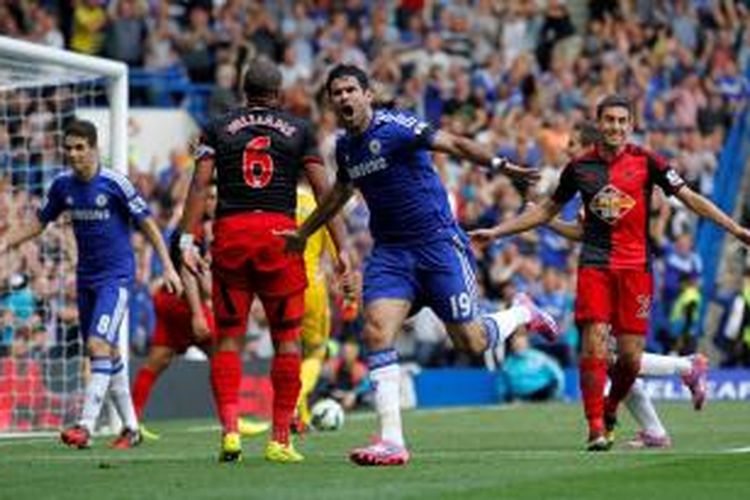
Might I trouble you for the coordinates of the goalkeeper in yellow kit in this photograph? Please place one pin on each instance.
(316, 322)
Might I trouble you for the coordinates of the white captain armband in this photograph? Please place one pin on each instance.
(186, 241)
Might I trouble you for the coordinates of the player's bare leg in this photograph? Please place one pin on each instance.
(159, 358)
(593, 378)
(490, 331)
(624, 373)
(383, 319)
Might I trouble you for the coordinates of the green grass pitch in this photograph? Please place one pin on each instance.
(526, 451)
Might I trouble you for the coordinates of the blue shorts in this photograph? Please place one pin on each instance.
(101, 309)
(440, 275)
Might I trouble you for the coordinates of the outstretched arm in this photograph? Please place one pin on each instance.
(529, 219)
(570, 230)
(706, 208)
(321, 186)
(328, 207)
(20, 234)
(461, 147)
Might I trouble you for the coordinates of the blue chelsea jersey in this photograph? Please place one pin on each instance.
(101, 211)
(390, 164)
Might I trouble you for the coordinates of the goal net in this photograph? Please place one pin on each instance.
(42, 367)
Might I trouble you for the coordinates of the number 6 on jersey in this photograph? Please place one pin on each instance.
(257, 166)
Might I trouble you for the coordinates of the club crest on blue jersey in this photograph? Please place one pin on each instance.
(375, 146)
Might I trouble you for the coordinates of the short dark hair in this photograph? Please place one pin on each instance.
(588, 133)
(262, 78)
(84, 129)
(614, 101)
(344, 70)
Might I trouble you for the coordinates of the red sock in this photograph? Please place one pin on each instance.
(593, 372)
(623, 376)
(226, 374)
(285, 377)
(144, 381)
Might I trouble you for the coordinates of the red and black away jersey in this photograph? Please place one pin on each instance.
(617, 197)
(259, 153)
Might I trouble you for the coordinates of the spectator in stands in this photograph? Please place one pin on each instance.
(344, 377)
(557, 26)
(196, 45)
(127, 32)
(684, 325)
(528, 374)
(292, 69)
(19, 300)
(556, 298)
(736, 335)
(46, 29)
(224, 94)
(160, 50)
(89, 26)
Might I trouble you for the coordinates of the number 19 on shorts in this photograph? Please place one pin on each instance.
(462, 306)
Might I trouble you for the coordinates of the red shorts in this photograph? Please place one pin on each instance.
(173, 322)
(249, 260)
(619, 297)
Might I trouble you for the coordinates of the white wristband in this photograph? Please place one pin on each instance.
(498, 163)
(186, 241)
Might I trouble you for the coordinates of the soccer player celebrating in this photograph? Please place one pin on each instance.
(181, 322)
(101, 204)
(691, 369)
(421, 256)
(258, 152)
(615, 179)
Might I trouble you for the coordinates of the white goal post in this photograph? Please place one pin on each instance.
(41, 88)
(115, 71)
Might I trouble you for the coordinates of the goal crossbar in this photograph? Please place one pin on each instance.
(117, 86)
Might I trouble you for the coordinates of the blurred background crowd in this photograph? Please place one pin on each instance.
(515, 75)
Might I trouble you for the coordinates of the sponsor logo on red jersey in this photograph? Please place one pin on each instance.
(611, 204)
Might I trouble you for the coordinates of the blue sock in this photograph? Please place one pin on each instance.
(491, 332)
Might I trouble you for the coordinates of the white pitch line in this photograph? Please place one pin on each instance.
(745, 449)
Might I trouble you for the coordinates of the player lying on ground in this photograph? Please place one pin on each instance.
(101, 204)
(615, 179)
(182, 322)
(257, 152)
(421, 256)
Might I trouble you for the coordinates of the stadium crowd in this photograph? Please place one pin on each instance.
(516, 75)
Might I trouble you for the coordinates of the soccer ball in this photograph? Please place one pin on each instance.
(327, 415)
